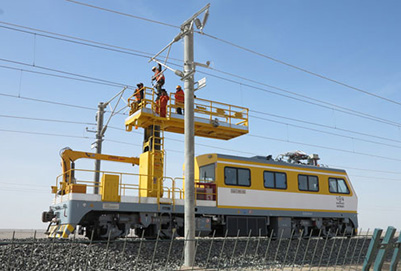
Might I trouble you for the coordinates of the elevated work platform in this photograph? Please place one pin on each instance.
(212, 119)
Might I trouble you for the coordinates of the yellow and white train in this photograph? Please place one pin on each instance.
(234, 195)
(260, 194)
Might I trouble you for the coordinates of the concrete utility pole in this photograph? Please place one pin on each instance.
(187, 33)
(98, 142)
(187, 30)
(101, 129)
(189, 226)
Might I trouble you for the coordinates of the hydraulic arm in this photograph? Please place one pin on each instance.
(69, 156)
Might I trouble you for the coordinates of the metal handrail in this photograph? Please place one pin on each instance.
(207, 109)
(123, 187)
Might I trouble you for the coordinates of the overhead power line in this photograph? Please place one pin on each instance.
(328, 133)
(58, 76)
(336, 128)
(47, 120)
(377, 178)
(64, 72)
(334, 107)
(81, 41)
(257, 136)
(124, 14)
(52, 102)
(146, 56)
(325, 126)
(305, 99)
(308, 98)
(368, 169)
(250, 51)
(46, 101)
(23, 184)
(45, 134)
(301, 69)
(325, 147)
(199, 144)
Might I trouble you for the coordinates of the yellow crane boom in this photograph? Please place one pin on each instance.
(69, 156)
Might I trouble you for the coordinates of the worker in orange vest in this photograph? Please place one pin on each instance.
(163, 103)
(139, 93)
(179, 99)
(159, 78)
(138, 96)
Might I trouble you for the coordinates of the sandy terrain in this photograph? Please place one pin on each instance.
(21, 234)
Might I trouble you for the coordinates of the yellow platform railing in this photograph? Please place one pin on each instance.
(206, 109)
(129, 186)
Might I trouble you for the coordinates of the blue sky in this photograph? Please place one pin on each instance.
(354, 42)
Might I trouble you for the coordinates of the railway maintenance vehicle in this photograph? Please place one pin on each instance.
(234, 195)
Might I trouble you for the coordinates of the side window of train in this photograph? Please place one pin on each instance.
(338, 186)
(237, 176)
(308, 183)
(276, 180)
(206, 173)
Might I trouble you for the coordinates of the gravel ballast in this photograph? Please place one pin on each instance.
(213, 254)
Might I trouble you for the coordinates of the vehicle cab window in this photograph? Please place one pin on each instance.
(207, 173)
(338, 186)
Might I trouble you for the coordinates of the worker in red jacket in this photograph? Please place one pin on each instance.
(163, 103)
(179, 99)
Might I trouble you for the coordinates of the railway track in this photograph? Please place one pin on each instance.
(254, 253)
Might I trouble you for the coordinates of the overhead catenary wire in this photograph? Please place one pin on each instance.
(259, 112)
(139, 145)
(325, 132)
(52, 102)
(23, 190)
(47, 120)
(82, 41)
(255, 136)
(308, 99)
(46, 101)
(301, 69)
(337, 108)
(376, 178)
(333, 106)
(325, 126)
(325, 147)
(318, 75)
(124, 14)
(58, 76)
(198, 144)
(352, 112)
(367, 169)
(64, 72)
(23, 184)
(42, 133)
